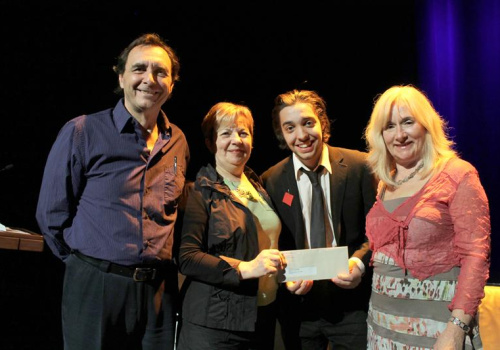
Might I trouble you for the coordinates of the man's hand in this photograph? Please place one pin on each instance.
(349, 280)
(299, 287)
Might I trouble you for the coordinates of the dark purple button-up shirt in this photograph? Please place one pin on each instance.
(106, 195)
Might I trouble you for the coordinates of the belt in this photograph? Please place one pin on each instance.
(138, 273)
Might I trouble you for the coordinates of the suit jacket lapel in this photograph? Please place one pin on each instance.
(290, 186)
(337, 188)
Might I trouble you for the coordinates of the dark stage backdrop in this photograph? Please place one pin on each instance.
(57, 63)
(458, 48)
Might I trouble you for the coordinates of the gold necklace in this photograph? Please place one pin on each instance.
(406, 179)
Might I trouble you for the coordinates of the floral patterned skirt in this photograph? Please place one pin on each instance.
(406, 313)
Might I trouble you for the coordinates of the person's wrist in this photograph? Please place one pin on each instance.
(458, 322)
(242, 269)
(358, 263)
(237, 268)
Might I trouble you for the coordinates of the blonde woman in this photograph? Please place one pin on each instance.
(429, 229)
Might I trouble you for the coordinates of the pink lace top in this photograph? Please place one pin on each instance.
(445, 224)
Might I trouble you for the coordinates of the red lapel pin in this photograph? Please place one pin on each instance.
(288, 198)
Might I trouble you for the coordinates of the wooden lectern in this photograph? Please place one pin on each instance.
(21, 239)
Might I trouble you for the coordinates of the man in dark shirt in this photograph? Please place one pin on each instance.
(108, 205)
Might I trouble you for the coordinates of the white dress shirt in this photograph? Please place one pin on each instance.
(305, 194)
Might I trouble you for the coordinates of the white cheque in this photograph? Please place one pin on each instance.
(314, 264)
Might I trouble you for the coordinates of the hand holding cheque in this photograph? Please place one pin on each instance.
(303, 266)
(269, 261)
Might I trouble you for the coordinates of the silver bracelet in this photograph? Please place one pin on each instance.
(458, 322)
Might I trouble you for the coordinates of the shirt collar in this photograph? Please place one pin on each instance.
(324, 160)
(122, 117)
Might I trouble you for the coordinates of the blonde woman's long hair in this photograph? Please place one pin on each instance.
(438, 148)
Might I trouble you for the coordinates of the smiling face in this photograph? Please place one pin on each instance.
(404, 137)
(233, 145)
(147, 80)
(301, 129)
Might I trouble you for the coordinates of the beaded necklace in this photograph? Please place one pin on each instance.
(239, 188)
(406, 179)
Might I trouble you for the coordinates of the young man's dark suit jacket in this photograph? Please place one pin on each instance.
(353, 191)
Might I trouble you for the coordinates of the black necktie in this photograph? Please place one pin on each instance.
(318, 228)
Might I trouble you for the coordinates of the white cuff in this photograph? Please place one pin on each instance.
(359, 263)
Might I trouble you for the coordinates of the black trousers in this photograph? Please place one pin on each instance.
(107, 311)
(348, 334)
(306, 326)
(196, 337)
